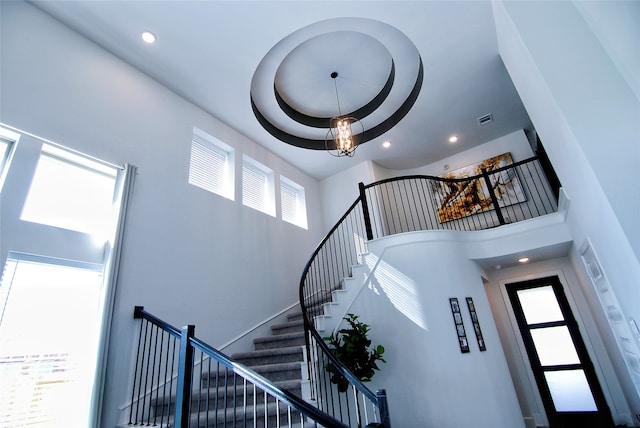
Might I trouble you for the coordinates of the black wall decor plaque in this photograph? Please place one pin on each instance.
(476, 324)
(457, 320)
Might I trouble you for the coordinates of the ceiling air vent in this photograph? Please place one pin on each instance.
(483, 120)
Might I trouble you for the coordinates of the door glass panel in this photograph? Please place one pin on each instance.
(49, 328)
(540, 305)
(554, 346)
(570, 391)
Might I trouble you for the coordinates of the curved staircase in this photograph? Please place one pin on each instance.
(279, 357)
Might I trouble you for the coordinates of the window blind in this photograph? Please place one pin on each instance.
(292, 202)
(255, 188)
(289, 203)
(208, 168)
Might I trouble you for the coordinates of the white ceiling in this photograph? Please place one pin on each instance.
(208, 51)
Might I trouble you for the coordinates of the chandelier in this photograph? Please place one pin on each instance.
(340, 140)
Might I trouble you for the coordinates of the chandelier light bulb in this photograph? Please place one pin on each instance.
(340, 134)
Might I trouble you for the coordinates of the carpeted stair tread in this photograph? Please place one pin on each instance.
(288, 327)
(276, 341)
(264, 352)
(267, 368)
(276, 355)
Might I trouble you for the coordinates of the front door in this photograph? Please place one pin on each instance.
(569, 388)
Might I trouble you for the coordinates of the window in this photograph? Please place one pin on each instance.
(212, 165)
(292, 202)
(43, 365)
(257, 186)
(7, 138)
(71, 192)
(4, 151)
(52, 274)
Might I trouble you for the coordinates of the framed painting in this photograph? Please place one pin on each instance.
(460, 199)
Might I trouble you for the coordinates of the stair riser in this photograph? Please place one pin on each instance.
(290, 373)
(248, 421)
(298, 315)
(274, 359)
(278, 343)
(279, 375)
(218, 402)
(289, 329)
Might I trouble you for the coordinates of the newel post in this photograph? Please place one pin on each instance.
(365, 212)
(185, 371)
(496, 205)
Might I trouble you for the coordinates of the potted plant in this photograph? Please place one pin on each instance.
(352, 348)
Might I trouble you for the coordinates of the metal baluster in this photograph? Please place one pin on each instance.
(215, 422)
(153, 371)
(144, 350)
(235, 407)
(173, 365)
(155, 413)
(135, 371)
(200, 389)
(165, 400)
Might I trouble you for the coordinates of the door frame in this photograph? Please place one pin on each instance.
(556, 418)
(577, 293)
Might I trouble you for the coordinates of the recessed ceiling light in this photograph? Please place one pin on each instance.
(453, 138)
(148, 37)
(523, 259)
(386, 144)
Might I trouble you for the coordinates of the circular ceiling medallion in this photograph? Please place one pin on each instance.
(379, 76)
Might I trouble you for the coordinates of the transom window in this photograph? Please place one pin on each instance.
(71, 192)
(7, 138)
(4, 150)
(212, 165)
(257, 186)
(292, 202)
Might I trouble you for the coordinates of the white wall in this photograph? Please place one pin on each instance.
(189, 256)
(571, 77)
(340, 190)
(405, 299)
(615, 24)
(515, 143)
(589, 121)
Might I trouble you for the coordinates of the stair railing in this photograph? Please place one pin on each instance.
(493, 198)
(180, 381)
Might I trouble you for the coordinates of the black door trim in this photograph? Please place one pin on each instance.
(601, 418)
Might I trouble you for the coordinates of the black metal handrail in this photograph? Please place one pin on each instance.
(227, 393)
(509, 194)
(404, 204)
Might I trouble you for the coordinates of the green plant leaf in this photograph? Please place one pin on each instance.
(351, 347)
